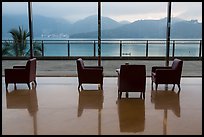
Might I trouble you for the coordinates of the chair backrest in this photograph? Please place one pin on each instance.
(132, 77)
(80, 63)
(31, 68)
(80, 66)
(177, 65)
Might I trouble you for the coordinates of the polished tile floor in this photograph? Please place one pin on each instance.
(56, 107)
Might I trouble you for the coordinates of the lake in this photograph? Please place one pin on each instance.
(111, 47)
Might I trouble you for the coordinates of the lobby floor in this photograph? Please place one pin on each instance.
(56, 107)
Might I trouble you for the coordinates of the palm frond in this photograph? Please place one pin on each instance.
(7, 49)
(20, 44)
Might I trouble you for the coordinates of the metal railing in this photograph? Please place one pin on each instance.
(116, 49)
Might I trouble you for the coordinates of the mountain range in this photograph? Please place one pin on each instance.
(87, 27)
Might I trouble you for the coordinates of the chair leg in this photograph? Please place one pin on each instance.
(6, 86)
(120, 95)
(15, 87)
(82, 87)
(179, 87)
(101, 86)
(152, 85)
(143, 95)
(156, 86)
(173, 87)
(126, 94)
(28, 85)
(79, 86)
(35, 82)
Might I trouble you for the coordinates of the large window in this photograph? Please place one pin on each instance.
(133, 21)
(186, 24)
(65, 21)
(57, 26)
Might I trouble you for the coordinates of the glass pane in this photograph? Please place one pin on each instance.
(187, 48)
(65, 21)
(186, 27)
(15, 23)
(14, 14)
(133, 21)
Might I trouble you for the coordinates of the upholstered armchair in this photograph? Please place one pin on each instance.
(167, 74)
(89, 74)
(22, 74)
(132, 78)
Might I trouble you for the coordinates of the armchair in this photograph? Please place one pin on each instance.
(89, 74)
(132, 78)
(21, 74)
(167, 74)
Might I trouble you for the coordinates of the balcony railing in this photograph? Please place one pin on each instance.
(116, 49)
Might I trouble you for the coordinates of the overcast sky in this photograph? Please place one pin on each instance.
(119, 11)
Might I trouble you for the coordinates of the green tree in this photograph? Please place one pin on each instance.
(6, 49)
(19, 46)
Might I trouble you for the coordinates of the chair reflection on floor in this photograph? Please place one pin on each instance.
(131, 113)
(166, 100)
(24, 99)
(91, 99)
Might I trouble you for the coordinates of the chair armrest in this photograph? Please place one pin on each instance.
(93, 67)
(159, 67)
(93, 72)
(18, 70)
(92, 75)
(167, 73)
(15, 73)
(19, 66)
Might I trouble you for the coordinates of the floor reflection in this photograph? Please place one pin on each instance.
(131, 113)
(91, 99)
(166, 100)
(24, 99)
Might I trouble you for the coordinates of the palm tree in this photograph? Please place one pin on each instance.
(19, 45)
(19, 41)
(6, 49)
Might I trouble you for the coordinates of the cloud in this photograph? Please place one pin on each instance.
(131, 11)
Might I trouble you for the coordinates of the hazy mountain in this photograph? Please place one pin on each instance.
(187, 29)
(90, 23)
(150, 29)
(88, 27)
(47, 26)
(12, 21)
(41, 24)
